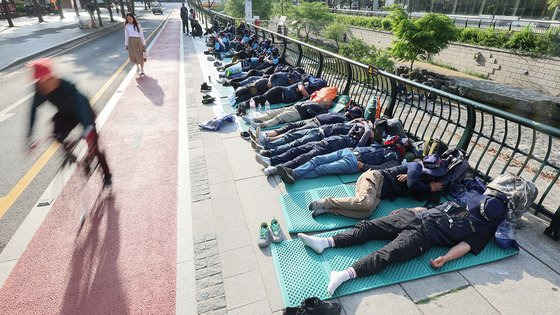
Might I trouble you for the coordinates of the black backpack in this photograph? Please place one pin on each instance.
(380, 127)
(457, 167)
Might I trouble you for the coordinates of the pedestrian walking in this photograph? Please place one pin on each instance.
(185, 18)
(135, 43)
(90, 8)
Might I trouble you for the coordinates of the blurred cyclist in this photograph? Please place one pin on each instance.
(73, 109)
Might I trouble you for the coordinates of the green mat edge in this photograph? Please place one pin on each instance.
(285, 298)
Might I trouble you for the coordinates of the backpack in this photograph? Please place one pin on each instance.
(457, 167)
(395, 128)
(380, 128)
(434, 146)
(519, 192)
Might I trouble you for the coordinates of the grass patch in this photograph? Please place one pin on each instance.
(441, 64)
(476, 74)
(435, 297)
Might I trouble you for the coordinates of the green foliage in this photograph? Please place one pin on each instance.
(281, 7)
(357, 49)
(426, 35)
(311, 17)
(476, 74)
(553, 4)
(394, 18)
(525, 40)
(370, 22)
(236, 8)
(336, 31)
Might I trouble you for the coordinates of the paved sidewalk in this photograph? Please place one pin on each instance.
(29, 37)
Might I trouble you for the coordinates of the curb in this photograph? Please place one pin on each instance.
(75, 40)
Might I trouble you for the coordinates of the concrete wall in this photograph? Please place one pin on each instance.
(501, 66)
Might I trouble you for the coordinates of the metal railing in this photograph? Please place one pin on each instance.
(495, 140)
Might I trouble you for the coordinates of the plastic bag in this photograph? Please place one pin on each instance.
(504, 236)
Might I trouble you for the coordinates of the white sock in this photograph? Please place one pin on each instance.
(317, 244)
(338, 277)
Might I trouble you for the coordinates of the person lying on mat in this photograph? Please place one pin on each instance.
(217, 46)
(261, 86)
(297, 156)
(411, 179)
(298, 111)
(289, 94)
(262, 137)
(346, 161)
(414, 231)
(297, 138)
(253, 75)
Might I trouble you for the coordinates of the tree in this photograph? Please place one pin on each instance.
(553, 4)
(281, 8)
(310, 17)
(38, 11)
(422, 37)
(7, 13)
(336, 32)
(261, 8)
(357, 49)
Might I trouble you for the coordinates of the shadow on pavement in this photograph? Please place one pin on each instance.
(151, 89)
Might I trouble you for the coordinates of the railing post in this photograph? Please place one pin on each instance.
(285, 43)
(469, 129)
(391, 106)
(321, 61)
(300, 55)
(348, 79)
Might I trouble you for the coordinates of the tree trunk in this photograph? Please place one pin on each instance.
(108, 2)
(98, 13)
(38, 11)
(122, 9)
(8, 13)
(132, 7)
(411, 64)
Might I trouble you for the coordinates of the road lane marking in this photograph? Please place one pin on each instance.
(5, 114)
(7, 201)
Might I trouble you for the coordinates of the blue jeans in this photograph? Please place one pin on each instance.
(292, 140)
(339, 162)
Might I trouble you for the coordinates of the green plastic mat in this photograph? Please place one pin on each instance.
(313, 183)
(295, 206)
(349, 178)
(303, 273)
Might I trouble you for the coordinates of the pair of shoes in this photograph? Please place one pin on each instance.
(315, 306)
(207, 53)
(222, 81)
(205, 97)
(204, 87)
(210, 58)
(262, 160)
(266, 153)
(268, 233)
(257, 147)
(269, 171)
(287, 174)
(142, 73)
(208, 100)
(217, 63)
(245, 135)
(226, 83)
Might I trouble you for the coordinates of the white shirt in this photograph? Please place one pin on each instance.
(130, 31)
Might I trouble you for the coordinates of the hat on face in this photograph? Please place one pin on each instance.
(488, 208)
(42, 69)
(433, 165)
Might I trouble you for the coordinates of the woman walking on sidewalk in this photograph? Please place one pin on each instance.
(134, 42)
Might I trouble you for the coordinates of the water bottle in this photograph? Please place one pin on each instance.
(267, 106)
(252, 105)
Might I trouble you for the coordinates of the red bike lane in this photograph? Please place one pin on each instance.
(124, 258)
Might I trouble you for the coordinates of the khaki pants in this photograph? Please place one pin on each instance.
(277, 116)
(366, 200)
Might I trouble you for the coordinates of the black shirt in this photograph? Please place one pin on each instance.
(309, 109)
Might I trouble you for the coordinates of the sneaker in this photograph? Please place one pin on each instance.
(276, 231)
(256, 146)
(217, 64)
(266, 153)
(247, 119)
(221, 80)
(231, 99)
(269, 171)
(226, 83)
(208, 100)
(210, 58)
(255, 125)
(317, 306)
(245, 135)
(204, 87)
(108, 181)
(264, 235)
(142, 73)
(286, 174)
(262, 160)
(252, 134)
(206, 97)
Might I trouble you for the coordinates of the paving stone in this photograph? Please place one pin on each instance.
(213, 260)
(202, 284)
(198, 239)
(425, 288)
(203, 225)
(214, 269)
(215, 279)
(212, 251)
(259, 307)
(212, 243)
(210, 236)
(201, 208)
(200, 256)
(201, 273)
(222, 311)
(387, 300)
(244, 289)
(218, 303)
(233, 238)
(200, 263)
(210, 292)
(238, 261)
(454, 303)
(199, 247)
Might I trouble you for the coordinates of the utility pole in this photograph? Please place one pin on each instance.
(8, 13)
(38, 11)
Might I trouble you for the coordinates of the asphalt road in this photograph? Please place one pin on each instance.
(90, 66)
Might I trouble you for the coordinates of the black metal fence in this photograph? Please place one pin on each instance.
(495, 140)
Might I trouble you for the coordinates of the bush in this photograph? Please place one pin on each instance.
(357, 49)
(525, 40)
(370, 22)
(336, 32)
